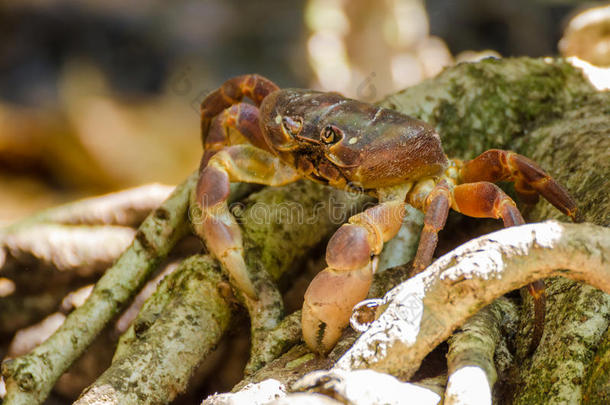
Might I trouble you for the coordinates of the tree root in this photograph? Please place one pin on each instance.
(83, 249)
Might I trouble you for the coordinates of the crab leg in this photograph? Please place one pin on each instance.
(530, 180)
(486, 200)
(436, 210)
(231, 92)
(237, 124)
(479, 200)
(217, 226)
(351, 257)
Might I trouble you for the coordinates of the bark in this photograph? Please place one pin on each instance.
(475, 344)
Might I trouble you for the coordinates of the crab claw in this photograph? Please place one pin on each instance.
(329, 300)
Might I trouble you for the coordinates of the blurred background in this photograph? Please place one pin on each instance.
(98, 96)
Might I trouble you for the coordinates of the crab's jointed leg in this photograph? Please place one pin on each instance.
(225, 121)
(237, 124)
(436, 209)
(530, 180)
(231, 92)
(222, 111)
(351, 257)
(492, 200)
(217, 226)
(480, 200)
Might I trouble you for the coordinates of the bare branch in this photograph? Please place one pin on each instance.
(124, 208)
(187, 328)
(87, 249)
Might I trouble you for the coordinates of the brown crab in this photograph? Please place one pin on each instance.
(290, 134)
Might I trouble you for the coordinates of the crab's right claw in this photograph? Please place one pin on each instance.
(351, 256)
(329, 300)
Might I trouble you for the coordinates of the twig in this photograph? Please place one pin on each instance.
(30, 378)
(423, 311)
(124, 208)
(471, 354)
(87, 249)
(186, 328)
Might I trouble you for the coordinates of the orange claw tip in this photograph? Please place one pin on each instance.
(319, 336)
(328, 304)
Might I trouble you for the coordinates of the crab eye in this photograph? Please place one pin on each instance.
(331, 134)
(292, 125)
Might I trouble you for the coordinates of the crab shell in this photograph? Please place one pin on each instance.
(371, 147)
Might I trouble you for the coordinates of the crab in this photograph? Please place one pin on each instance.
(290, 134)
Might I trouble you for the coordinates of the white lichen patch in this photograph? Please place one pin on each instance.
(252, 394)
(368, 387)
(547, 234)
(513, 241)
(468, 386)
